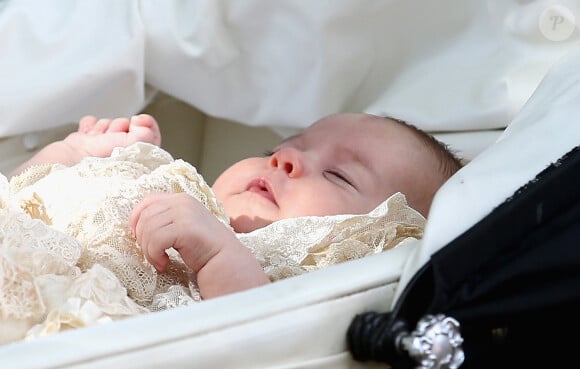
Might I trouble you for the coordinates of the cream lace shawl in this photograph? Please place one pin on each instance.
(68, 259)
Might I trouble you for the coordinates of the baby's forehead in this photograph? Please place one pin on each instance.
(374, 137)
(350, 127)
(364, 134)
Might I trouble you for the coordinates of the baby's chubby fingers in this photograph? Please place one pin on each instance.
(136, 213)
(144, 127)
(144, 203)
(87, 123)
(155, 254)
(151, 226)
(119, 125)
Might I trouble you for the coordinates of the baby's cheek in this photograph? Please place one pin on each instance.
(316, 204)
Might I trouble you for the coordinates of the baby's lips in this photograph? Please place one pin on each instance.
(262, 187)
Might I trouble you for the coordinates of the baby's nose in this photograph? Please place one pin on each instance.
(289, 160)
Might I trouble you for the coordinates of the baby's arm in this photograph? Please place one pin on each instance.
(96, 137)
(222, 263)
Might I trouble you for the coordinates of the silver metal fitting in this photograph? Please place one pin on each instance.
(435, 344)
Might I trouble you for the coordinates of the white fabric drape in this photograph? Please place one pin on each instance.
(445, 65)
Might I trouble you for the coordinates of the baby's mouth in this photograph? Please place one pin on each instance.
(261, 187)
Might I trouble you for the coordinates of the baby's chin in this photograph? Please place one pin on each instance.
(247, 224)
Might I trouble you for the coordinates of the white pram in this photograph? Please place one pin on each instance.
(463, 74)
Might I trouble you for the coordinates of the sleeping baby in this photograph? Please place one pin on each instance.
(105, 224)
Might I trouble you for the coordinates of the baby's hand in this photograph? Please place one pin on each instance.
(223, 265)
(95, 138)
(98, 137)
(162, 221)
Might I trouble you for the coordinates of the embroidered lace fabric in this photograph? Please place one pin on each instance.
(68, 259)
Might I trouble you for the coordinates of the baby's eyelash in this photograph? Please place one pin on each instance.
(340, 176)
(268, 153)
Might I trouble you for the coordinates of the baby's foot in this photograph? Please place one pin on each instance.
(98, 137)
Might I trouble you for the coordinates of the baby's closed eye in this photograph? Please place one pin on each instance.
(334, 175)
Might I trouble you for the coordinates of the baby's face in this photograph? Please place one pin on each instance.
(342, 164)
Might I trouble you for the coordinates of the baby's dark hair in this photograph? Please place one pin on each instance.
(448, 160)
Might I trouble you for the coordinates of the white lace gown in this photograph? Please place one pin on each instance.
(68, 258)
